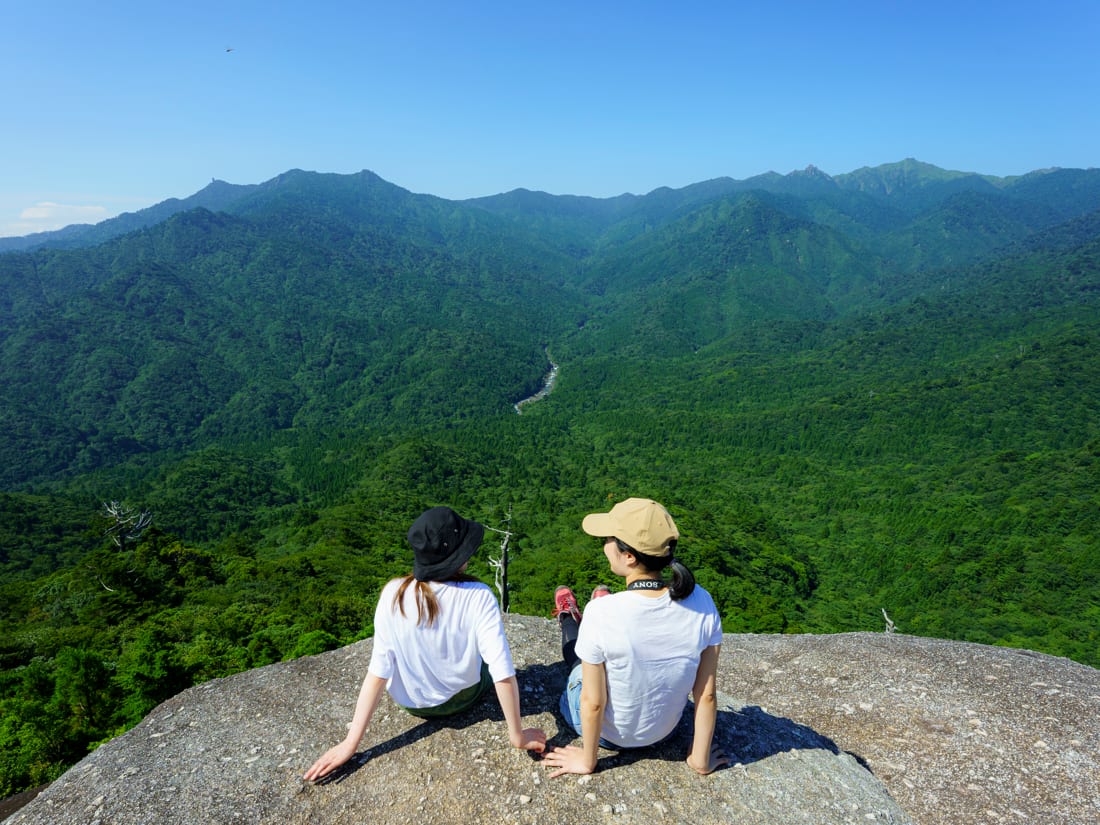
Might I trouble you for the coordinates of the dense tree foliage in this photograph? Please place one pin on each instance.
(873, 392)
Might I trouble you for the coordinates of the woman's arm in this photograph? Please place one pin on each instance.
(571, 759)
(531, 739)
(369, 696)
(702, 758)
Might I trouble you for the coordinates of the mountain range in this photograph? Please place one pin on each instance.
(342, 299)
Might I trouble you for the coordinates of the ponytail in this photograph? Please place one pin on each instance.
(683, 580)
(427, 605)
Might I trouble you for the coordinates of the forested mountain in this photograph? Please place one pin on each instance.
(216, 196)
(872, 392)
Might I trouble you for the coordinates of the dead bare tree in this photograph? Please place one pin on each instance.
(125, 526)
(889, 622)
(500, 565)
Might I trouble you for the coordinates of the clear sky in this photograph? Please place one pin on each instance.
(112, 106)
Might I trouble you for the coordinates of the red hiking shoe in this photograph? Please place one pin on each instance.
(566, 602)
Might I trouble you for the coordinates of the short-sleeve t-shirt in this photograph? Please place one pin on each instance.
(425, 666)
(650, 648)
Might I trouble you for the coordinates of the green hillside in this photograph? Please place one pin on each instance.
(872, 392)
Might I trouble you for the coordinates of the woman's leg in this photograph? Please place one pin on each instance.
(569, 631)
(570, 702)
(569, 618)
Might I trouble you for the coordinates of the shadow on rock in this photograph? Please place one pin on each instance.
(747, 734)
(540, 699)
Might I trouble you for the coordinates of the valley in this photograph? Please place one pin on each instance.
(547, 388)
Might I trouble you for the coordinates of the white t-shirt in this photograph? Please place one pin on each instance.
(425, 666)
(650, 648)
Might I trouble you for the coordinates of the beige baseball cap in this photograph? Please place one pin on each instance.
(640, 522)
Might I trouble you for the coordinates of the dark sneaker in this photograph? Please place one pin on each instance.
(566, 602)
(601, 591)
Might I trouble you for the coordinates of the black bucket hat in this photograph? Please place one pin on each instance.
(442, 541)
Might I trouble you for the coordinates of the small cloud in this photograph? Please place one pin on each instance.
(62, 214)
(46, 216)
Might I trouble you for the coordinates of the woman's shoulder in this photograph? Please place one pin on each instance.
(469, 584)
(469, 590)
(699, 599)
(391, 586)
(702, 592)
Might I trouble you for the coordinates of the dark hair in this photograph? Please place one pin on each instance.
(683, 580)
(427, 606)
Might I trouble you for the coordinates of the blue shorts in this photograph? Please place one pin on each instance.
(570, 705)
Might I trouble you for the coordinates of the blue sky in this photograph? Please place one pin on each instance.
(110, 107)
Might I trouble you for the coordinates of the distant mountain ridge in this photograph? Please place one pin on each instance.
(216, 196)
(910, 185)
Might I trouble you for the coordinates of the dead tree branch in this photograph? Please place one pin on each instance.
(889, 622)
(500, 564)
(126, 524)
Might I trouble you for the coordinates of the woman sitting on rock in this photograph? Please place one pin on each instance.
(638, 653)
(438, 640)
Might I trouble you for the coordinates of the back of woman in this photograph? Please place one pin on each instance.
(426, 664)
(650, 648)
(439, 641)
(638, 655)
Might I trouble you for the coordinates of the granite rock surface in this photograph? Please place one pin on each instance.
(848, 728)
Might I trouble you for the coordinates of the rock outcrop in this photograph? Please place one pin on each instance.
(850, 728)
